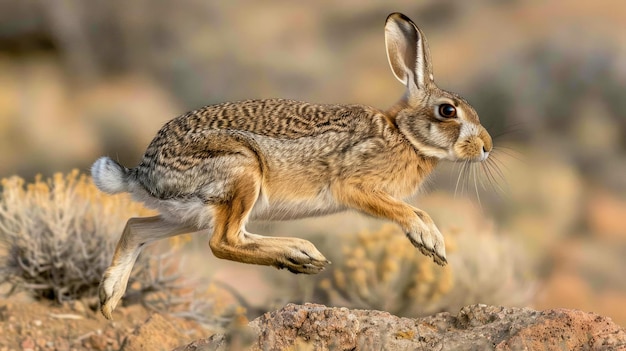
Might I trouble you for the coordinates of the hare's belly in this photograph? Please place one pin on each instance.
(277, 209)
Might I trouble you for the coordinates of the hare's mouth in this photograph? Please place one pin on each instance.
(471, 149)
(484, 155)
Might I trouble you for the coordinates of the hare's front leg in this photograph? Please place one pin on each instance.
(231, 241)
(417, 224)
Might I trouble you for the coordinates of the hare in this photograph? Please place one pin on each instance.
(220, 166)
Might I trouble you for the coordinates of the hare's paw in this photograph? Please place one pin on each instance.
(300, 256)
(430, 242)
(110, 291)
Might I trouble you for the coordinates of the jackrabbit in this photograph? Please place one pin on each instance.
(220, 166)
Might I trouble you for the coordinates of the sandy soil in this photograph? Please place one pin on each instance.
(32, 325)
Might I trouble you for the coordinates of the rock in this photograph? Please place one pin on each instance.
(61, 344)
(28, 344)
(41, 343)
(96, 342)
(475, 327)
(208, 344)
(239, 338)
(155, 334)
(79, 307)
(589, 331)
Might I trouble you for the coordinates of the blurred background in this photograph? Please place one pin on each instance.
(544, 226)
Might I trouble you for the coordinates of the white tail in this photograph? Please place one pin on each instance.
(109, 176)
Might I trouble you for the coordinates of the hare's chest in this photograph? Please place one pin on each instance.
(279, 206)
(404, 180)
(398, 171)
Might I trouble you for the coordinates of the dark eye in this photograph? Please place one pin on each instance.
(447, 111)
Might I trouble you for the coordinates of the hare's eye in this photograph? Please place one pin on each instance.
(447, 111)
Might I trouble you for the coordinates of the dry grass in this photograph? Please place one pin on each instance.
(58, 235)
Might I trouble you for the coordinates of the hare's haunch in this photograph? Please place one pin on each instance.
(220, 166)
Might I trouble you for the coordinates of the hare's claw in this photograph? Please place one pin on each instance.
(430, 243)
(110, 293)
(107, 308)
(304, 269)
(307, 259)
(108, 301)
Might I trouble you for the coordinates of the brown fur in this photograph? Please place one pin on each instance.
(219, 166)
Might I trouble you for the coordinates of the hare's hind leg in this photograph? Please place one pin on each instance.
(231, 241)
(137, 233)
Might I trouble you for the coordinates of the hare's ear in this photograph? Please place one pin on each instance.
(407, 52)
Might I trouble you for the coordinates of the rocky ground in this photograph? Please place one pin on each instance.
(44, 326)
(475, 327)
(29, 325)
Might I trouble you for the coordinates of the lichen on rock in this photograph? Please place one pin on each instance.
(474, 327)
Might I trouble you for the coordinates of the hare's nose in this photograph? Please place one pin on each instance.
(486, 138)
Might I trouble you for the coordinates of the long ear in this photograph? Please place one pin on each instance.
(407, 52)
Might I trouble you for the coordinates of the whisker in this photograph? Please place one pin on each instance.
(466, 175)
(500, 146)
(514, 128)
(456, 167)
(490, 175)
(456, 188)
(487, 170)
(496, 165)
(482, 176)
(506, 132)
(498, 177)
(509, 152)
(476, 186)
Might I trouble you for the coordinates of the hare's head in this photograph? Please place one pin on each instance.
(438, 123)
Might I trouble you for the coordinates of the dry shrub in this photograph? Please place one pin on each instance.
(489, 268)
(380, 269)
(383, 271)
(57, 237)
(59, 234)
